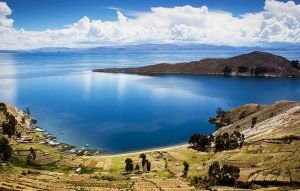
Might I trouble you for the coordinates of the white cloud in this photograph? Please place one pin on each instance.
(5, 23)
(278, 22)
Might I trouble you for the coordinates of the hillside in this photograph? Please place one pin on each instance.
(251, 64)
(269, 158)
(279, 118)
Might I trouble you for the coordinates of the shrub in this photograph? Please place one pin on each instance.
(9, 126)
(5, 149)
(229, 141)
(227, 71)
(295, 64)
(243, 115)
(129, 165)
(227, 175)
(200, 142)
(148, 165)
(260, 70)
(243, 69)
(253, 121)
(143, 157)
(3, 107)
(108, 177)
(186, 168)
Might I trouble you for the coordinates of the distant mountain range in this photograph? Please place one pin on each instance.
(252, 64)
(148, 47)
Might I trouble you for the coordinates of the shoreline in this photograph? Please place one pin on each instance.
(192, 74)
(52, 141)
(101, 153)
(163, 148)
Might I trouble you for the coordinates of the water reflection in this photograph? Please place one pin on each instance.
(8, 80)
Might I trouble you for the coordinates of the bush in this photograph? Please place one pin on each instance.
(186, 168)
(253, 121)
(221, 118)
(143, 157)
(229, 141)
(108, 177)
(200, 142)
(129, 165)
(9, 126)
(243, 69)
(227, 71)
(227, 175)
(5, 149)
(243, 115)
(3, 107)
(260, 70)
(295, 64)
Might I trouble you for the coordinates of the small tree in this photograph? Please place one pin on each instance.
(194, 139)
(295, 64)
(226, 141)
(129, 165)
(227, 71)
(137, 168)
(214, 173)
(219, 112)
(236, 140)
(223, 176)
(148, 166)
(242, 115)
(186, 168)
(3, 108)
(226, 121)
(229, 174)
(253, 122)
(32, 155)
(219, 144)
(9, 126)
(200, 142)
(243, 69)
(5, 149)
(143, 157)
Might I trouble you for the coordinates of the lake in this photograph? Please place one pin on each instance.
(120, 112)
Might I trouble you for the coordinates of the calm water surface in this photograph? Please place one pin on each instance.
(119, 112)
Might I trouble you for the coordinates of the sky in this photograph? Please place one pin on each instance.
(27, 24)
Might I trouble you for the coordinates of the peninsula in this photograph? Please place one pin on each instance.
(256, 63)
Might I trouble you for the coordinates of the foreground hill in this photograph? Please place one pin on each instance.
(251, 64)
(268, 160)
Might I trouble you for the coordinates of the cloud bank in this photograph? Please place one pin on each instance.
(277, 22)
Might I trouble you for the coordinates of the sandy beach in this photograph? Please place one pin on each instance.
(167, 148)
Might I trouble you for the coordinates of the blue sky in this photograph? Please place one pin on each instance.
(26, 24)
(54, 14)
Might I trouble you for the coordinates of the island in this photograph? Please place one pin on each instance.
(257, 64)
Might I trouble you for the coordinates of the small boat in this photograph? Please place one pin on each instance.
(87, 145)
(52, 143)
(39, 130)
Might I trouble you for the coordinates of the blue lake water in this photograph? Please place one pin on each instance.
(119, 112)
